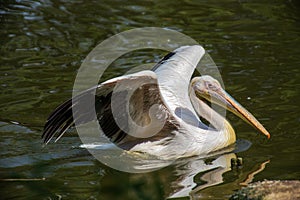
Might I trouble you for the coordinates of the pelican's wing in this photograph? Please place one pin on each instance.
(145, 93)
(163, 60)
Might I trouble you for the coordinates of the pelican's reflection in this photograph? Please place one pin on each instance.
(186, 177)
(210, 171)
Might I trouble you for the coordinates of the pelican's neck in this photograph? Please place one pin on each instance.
(221, 125)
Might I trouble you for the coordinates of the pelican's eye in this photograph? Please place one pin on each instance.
(210, 86)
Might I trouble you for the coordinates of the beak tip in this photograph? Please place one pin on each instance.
(268, 134)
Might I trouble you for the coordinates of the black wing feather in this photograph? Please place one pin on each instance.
(61, 119)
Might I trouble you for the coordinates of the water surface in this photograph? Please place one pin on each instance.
(254, 43)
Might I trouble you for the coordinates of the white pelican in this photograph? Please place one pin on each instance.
(175, 121)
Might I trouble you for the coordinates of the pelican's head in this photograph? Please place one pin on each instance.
(210, 89)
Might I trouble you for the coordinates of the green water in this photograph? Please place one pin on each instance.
(254, 43)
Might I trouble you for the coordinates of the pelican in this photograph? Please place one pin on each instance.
(166, 106)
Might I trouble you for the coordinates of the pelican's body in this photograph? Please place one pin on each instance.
(158, 112)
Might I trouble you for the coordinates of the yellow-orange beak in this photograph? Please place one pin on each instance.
(219, 96)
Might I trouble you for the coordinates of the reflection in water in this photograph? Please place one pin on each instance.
(250, 176)
(192, 174)
(211, 168)
(211, 174)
